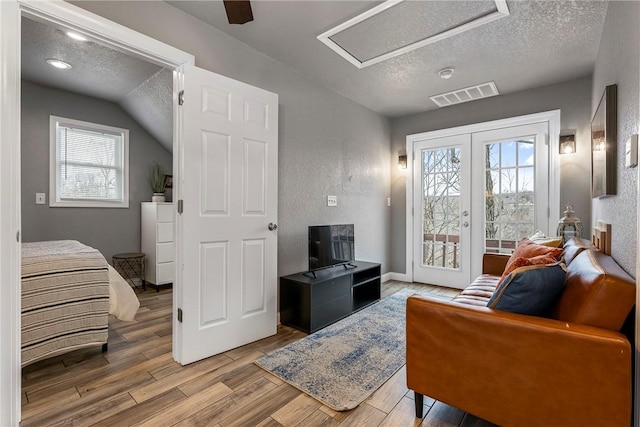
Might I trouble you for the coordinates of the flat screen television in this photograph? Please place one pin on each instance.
(330, 245)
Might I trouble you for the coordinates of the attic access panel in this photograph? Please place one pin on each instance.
(396, 27)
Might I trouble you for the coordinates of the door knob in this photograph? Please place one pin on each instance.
(465, 213)
(465, 224)
(273, 226)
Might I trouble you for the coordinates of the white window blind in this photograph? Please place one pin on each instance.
(89, 165)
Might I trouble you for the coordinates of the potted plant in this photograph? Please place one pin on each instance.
(156, 179)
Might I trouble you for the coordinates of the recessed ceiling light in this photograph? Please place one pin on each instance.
(59, 64)
(446, 73)
(76, 36)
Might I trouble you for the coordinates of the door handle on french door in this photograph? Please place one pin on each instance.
(465, 213)
(273, 226)
(465, 224)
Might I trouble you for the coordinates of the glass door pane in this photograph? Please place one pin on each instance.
(441, 207)
(509, 193)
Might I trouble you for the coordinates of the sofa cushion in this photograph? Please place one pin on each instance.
(479, 292)
(531, 290)
(573, 248)
(598, 292)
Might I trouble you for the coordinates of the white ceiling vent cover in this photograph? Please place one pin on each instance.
(386, 31)
(471, 93)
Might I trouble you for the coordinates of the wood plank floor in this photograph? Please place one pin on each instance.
(137, 383)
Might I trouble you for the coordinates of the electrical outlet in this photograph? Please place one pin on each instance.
(332, 200)
(41, 198)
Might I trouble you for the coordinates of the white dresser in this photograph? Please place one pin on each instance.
(157, 242)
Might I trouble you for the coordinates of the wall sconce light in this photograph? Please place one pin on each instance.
(567, 144)
(402, 161)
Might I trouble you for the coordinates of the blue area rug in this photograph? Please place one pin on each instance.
(344, 363)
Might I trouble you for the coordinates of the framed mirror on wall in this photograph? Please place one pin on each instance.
(604, 144)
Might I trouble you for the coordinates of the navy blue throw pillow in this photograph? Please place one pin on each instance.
(531, 290)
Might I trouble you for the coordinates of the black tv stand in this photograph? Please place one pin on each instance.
(311, 300)
(310, 273)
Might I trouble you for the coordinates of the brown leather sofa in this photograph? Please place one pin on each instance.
(573, 369)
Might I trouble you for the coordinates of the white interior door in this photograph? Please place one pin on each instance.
(442, 204)
(229, 193)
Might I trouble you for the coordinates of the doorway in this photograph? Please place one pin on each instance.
(69, 16)
(477, 189)
(250, 140)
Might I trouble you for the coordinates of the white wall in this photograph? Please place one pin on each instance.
(328, 145)
(618, 63)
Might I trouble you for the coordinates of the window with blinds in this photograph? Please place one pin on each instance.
(89, 164)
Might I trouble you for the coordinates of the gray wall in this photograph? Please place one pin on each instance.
(573, 98)
(107, 229)
(618, 62)
(328, 145)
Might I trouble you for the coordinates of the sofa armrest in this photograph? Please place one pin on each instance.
(494, 264)
(513, 369)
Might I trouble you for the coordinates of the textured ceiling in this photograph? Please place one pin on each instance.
(539, 43)
(420, 19)
(142, 89)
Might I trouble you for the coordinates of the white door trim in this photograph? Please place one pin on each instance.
(10, 213)
(552, 117)
(108, 32)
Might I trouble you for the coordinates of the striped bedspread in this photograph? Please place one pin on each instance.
(65, 298)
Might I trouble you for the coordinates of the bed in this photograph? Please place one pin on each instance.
(68, 292)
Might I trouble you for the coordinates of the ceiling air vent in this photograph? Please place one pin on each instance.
(471, 93)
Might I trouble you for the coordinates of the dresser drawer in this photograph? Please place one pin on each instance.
(165, 273)
(164, 252)
(164, 232)
(165, 213)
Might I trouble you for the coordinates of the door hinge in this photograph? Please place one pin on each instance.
(181, 97)
(180, 206)
(180, 315)
(18, 236)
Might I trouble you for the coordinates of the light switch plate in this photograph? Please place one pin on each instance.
(332, 200)
(631, 152)
(41, 198)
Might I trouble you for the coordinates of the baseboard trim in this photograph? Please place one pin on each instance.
(400, 277)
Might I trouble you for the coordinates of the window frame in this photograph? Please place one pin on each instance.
(54, 199)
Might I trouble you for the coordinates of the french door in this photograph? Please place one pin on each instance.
(476, 192)
(442, 204)
(512, 173)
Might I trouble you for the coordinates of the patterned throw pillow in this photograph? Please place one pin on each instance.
(531, 290)
(541, 239)
(523, 262)
(529, 250)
